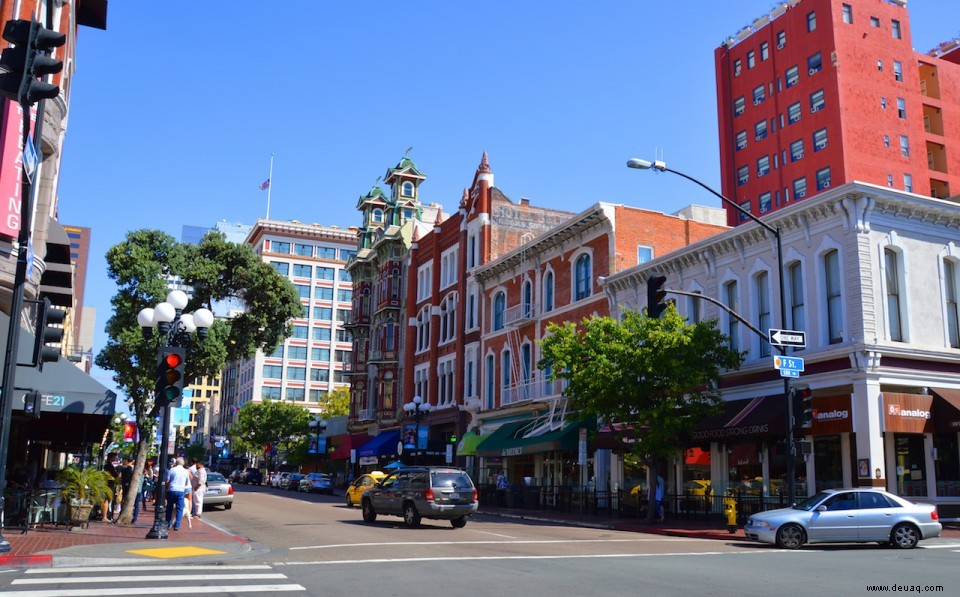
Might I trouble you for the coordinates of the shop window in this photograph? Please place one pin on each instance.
(911, 471)
(946, 464)
(828, 461)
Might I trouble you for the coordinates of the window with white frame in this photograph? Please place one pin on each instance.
(490, 372)
(644, 253)
(526, 299)
(445, 382)
(820, 140)
(800, 187)
(816, 100)
(423, 329)
(424, 281)
(893, 281)
(448, 318)
(760, 130)
(737, 67)
(895, 29)
(759, 94)
(781, 39)
(751, 59)
(470, 373)
(792, 76)
(743, 175)
(421, 381)
(582, 273)
(407, 189)
(741, 142)
(732, 300)
(908, 183)
(694, 308)
(897, 71)
(904, 146)
(739, 105)
(764, 201)
(950, 294)
(795, 293)
(764, 51)
(471, 308)
(448, 267)
(834, 296)
(376, 216)
(796, 150)
(763, 166)
(472, 251)
(499, 310)
(793, 113)
(526, 370)
(763, 309)
(901, 108)
(505, 377)
(548, 291)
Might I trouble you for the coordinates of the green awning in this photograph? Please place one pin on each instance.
(468, 445)
(508, 440)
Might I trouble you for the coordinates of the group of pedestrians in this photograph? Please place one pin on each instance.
(185, 488)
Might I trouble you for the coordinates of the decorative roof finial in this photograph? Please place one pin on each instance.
(484, 163)
(465, 199)
(406, 154)
(439, 219)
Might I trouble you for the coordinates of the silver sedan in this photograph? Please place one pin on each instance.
(847, 516)
(219, 491)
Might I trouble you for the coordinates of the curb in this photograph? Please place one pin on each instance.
(27, 561)
(693, 534)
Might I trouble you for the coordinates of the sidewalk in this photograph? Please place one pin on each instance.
(103, 541)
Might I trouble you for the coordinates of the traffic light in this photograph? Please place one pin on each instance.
(49, 331)
(655, 295)
(802, 400)
(171, 367)
(31, 404)
(25, 63)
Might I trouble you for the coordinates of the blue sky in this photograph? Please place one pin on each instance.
(177, 106)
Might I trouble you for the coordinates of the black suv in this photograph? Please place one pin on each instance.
(434, 492)
(252, 476)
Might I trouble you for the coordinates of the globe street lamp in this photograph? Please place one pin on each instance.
(175, 329)
(661, 166)
(419, 407)
(321, 426)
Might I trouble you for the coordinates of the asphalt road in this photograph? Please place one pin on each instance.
(319, 543)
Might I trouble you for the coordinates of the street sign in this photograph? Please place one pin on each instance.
(793, 338)
(788, 366)
(30, 158)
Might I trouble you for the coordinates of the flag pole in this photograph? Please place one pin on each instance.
(269, 186)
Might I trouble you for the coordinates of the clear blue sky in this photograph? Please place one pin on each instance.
(177, 106)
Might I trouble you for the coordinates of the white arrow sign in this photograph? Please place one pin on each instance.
(794, 338)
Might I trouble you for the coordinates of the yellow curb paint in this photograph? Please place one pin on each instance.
(175, 552)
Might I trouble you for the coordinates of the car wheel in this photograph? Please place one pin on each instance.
(459, 523)
(228, 505)
(348, 502)
(790, 536)
(905, 536)
(369, 515)
(410, 515)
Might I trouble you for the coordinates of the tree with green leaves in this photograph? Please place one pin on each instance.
(648, 380)
(336, 403)
(281, 425)
(217, 270)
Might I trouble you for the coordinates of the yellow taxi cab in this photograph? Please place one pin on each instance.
(362, 483)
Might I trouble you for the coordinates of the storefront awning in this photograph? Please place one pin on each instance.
(468, 445)
(946, 409)
(509, 440)
(907, 413)
(385, 443)
(750, 419)
(344, 443)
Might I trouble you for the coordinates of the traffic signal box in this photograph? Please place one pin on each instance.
(655, 295)
(25, 63)
(171, 370)
(802, 401)
(49, 331)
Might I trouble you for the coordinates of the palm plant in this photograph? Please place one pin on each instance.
(85, 485)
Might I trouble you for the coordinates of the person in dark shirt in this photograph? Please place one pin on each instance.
(111, 469)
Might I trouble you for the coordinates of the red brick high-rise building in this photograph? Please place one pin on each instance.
(818, 93)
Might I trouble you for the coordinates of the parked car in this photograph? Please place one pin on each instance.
(292, 482)
(279, 479)
(362, 483)
(847, 516)
(318, 482)
(433, 492)
(236, 476)
(252, 476)
(219, 491)
(274, 479)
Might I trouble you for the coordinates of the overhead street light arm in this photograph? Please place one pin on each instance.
(733, 313)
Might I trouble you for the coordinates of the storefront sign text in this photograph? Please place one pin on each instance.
(725, 432)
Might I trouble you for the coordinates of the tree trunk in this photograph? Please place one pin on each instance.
(140, 460)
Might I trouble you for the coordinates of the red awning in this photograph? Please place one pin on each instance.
(342, 444)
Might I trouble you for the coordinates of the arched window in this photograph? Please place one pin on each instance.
(582, 277)
(499, 310)
(377, 216)
(527, 299)
(407, 189)
(548, 292)
(491, 380)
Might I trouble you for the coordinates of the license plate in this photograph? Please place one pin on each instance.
(454, 496)
(212, 491)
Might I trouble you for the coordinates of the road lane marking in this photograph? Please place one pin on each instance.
(950, 546)
(152, 568)
(433, 559)
(494, 534)
(514, 542)
(148, 578)
(164, 590)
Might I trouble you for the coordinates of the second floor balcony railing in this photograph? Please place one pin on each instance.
(367, 414)
(519, 314)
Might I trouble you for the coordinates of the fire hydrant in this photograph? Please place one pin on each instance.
(730, 511)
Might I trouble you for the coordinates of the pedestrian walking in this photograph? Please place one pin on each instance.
(502, 486)
(110, 468)
(178, 481)
(199, 489)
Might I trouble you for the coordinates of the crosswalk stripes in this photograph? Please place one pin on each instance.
(100, 581)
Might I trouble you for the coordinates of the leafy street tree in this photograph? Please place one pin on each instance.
(281, 425)
(336, 403)
(649, 380)
(218, 271)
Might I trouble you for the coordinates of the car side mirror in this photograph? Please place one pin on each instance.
(821, 508)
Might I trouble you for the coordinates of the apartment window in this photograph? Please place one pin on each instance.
(733, 326)
(880, 66)
(407, 189)
(816, 101)
(277, 352)
(886, 140)
(892, 279)
(273, 371)
(831, 269)
(751, 59)
(422, 324)
(324, 273)
(344, 275)
(764, 51)
(743, 175)
(644, 254)
(738, 106)
(582, 276)
(548, 292)
(823, 179)
(737, 64)
(344, 295)
(297, 352)
(745, 206)
(781, 39)
(267, 393)
(908, 183)
(343, 315)
(499, 310)
(763, 166)
(280, 247)
(795, 275)
(793, 76)
(321, 334)
(694, 308)
(890, 180)
(282, 268)
(874, 22)
(814, 64)
(950, 298)
(763, 309)
(326, 252)
(764, 202)
(811, 21)
(323, 293)
(741, 140)
(491, 380)
(320, 354)
(299, 332)
(796, 150)
(298, 373)
(897, 71)
(902, 108)
(793, 113)
(847, 14)
(303, 250)
(505, 370)
(883, 103)
(895, 29)
(302, 271)
(800, 187)
(347, 254)
(760, 130)
(759, 95)
(820, 140)
(344, 335)
(904, 146)
(319, 374)
(323, 313)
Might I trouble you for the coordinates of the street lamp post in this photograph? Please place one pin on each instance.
(175, 330)
(419, 407)
(661, 166)
(321, 426)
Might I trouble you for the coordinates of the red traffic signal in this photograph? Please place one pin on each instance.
(170, 375)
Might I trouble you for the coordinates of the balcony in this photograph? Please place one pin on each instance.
(367, 414)
(519, 314)
(383, 356)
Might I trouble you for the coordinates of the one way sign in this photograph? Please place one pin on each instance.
(794, 338)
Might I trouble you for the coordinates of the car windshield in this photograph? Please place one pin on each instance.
(811, 502)
(456, 480)
(215, 478)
